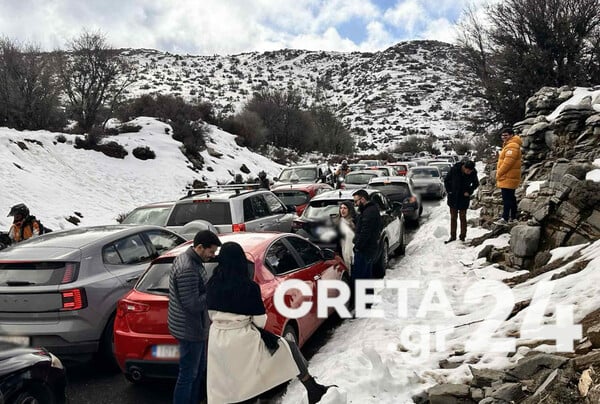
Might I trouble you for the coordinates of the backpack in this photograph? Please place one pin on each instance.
(29, 222)
(43, 229)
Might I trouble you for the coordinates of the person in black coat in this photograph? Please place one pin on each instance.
(460, 184)
(366, 238)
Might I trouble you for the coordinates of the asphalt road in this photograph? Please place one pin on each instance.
(91, 384)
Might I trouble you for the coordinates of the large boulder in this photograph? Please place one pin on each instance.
(524, 240)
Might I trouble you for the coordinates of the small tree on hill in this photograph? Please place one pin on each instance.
(93, 76)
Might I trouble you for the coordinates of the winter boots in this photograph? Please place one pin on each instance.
(315, 390)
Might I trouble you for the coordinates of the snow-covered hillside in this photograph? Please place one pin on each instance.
(412, 87)
(57, 181)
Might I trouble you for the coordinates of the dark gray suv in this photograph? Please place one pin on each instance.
(60, 290)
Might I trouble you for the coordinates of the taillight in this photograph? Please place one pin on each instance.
(70, 273)
(239, 227)
(125, 307)
(73, 299)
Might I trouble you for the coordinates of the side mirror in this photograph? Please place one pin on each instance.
(327, 254)
(290, 208)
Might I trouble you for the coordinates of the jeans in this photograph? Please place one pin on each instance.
(363, 266)
(509, 200)
(191, 380)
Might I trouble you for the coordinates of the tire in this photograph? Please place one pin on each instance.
(346, 279)
(290, 334)
(33, 394)
(401, 249)
(107, 346)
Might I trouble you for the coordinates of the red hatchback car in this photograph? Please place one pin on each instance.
(299, 195)
(145, 349)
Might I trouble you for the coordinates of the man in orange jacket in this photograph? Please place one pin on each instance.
(508, 174)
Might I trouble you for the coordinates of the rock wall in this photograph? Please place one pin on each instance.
(558, 151)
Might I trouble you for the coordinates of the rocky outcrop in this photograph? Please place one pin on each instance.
(562, 208)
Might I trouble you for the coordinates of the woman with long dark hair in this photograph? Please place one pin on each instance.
(346, 228)
(244, 360)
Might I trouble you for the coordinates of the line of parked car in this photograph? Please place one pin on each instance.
(103, 290)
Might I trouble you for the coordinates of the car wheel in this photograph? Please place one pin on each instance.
(34, 394)
(107, 346)
(346, 279)
(290, 334)
(401, 249)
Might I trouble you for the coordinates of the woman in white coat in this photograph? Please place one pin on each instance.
(244, 360)
(346, 227)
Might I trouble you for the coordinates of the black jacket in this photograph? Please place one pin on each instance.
(368, 230)
(457, 183)
(187, 316)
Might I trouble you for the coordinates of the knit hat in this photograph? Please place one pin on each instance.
(469, 164)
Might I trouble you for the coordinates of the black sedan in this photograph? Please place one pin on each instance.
(30, 375)
(399, 189)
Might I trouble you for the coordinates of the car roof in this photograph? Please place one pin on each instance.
(392, 179)
(251, 242)
(220, 194)
(156, 205)
(366, 171)
(59, 243)
(339, 194)
(299, 186)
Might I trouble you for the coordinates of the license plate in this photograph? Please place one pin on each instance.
(15, 339)
(165, 351)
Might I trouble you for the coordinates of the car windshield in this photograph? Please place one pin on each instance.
(425, 172)
(291, 197)
(156, 215)
(321, 210)
(359, 178)
(298, 174)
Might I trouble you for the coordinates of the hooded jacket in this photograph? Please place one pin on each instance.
(508, 169)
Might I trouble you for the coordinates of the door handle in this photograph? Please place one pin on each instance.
(317, 277)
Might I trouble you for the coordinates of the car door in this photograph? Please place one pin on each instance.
(314, 268)
(281, 219)
(127, 258)
(285, 264)
(391, 222)
(256, 214)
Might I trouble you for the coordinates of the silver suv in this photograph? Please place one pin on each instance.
(60, 290)
(233, 208)
(158, 214)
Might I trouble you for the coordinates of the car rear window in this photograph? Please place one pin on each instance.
(215, 212)
(393, 191)
(291, 197)
(359, 178)
(322, 210)
(151, 215)
(156, 279)
(37, 273)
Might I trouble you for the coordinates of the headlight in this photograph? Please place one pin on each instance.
(55, 362)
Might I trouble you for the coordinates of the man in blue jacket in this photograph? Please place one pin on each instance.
(188, 315)
(460, 184)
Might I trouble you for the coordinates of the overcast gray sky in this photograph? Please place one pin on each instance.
(206, 27)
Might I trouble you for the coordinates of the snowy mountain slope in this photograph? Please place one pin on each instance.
(56, 180)
(412, 87)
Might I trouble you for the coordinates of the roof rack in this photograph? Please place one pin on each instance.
(216, 188)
